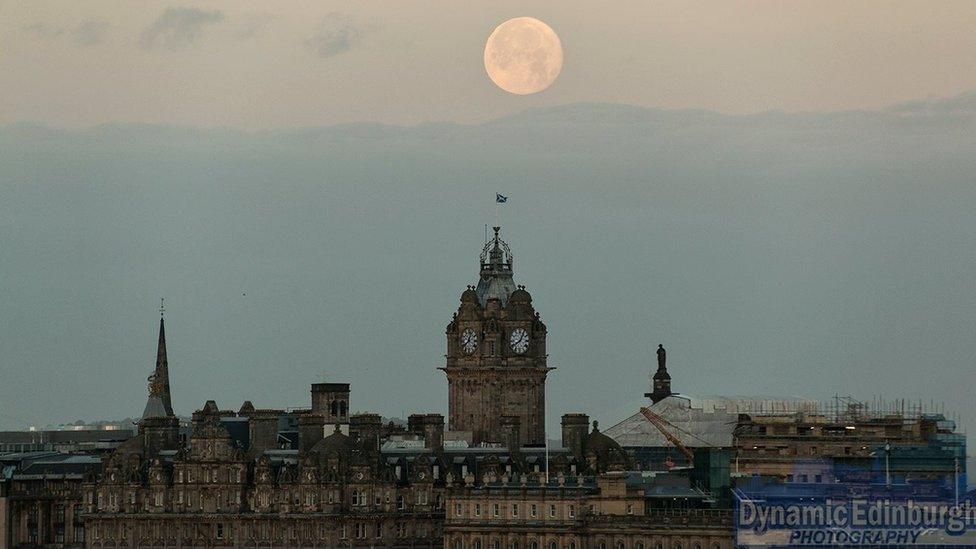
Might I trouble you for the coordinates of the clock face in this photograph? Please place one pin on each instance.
(469, 341)
(519, 340)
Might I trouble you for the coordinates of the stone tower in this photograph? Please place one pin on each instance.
(496, 356)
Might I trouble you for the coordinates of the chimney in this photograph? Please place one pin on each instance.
(366, 429)
(575, 429)
(311, 429)
(429, 426)
(262, 430)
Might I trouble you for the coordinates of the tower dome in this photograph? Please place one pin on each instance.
(496, 271)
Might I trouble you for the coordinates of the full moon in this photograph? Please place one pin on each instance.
(523, 56)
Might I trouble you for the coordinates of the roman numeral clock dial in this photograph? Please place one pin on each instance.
(469, 341)
(519, 341)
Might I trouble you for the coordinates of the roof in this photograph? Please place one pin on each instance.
(74, 465)
(710, 426)
(709, 419)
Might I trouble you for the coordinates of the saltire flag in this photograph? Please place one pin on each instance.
(500, 199)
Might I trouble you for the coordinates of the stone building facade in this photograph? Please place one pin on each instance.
(605, 512)
(496, 357)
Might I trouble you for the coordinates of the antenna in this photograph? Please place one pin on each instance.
(162, 307)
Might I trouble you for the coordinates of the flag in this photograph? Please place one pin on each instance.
(500, 199)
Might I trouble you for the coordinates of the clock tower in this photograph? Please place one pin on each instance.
(496, 357)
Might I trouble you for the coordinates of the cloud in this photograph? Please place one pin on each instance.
(335, 35)
(178, 28)
(90, 33)
(43, 30)
(87, 33)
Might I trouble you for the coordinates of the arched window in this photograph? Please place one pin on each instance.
(534, 544)
(477, 544)
(639, 545)
(603, 545)
(553, 545)
(697, 545)
(497, 544)
(620, 545)
(676, 545)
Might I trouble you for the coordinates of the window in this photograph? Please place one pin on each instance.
(553, 545)
(532, 510)
(477, 544)
(457, 509)
(620, 545)
(572, 511)
(477, 509)
(515, 509)
(534, 544)
(639, 545)
(552, 511)
(355, 497)
(494, 510)
(401, 503)
(378, 499)
(360, 530)
(422, 497)
(379, 530)
(630, 508)
(220, 531)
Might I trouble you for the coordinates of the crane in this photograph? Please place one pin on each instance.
(661, 424)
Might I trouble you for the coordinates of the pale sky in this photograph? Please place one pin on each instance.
(823, 248)
(280, 64)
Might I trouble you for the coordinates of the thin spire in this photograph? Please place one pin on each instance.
(159, 403)
(162, 365)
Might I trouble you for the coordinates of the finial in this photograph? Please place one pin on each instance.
(162, 308)
(496, 229)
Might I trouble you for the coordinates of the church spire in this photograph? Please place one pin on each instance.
(159, 403)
